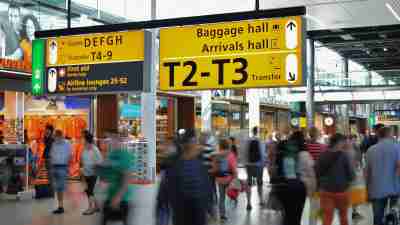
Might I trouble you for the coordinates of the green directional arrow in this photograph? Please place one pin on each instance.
(38, 66)
(37, 87)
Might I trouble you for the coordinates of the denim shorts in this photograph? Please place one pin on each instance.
(60, 174)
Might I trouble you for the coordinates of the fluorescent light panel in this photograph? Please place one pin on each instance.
(347, 37)
(389, 6)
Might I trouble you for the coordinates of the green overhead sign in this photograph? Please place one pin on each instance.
(38, 66)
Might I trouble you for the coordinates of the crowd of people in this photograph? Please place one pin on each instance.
(200, 173)
(114, 170)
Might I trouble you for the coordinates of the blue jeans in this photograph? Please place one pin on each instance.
(379, 206)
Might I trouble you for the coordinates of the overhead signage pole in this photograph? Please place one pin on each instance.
(246, 54)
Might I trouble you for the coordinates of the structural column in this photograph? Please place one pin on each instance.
(310, 106)
(253, 99)
(206, 111)
(345, 107)
(145, 195)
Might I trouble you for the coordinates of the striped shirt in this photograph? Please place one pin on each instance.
(315, 149)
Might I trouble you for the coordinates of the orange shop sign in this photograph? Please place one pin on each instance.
(15, 65)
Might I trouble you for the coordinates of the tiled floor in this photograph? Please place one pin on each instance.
(38, 212)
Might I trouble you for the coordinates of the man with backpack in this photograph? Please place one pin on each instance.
(256, 155)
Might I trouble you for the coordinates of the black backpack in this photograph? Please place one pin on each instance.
(254, 151)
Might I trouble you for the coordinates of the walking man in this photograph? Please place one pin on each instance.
(256, 155)
(59, 157)
(383, 169)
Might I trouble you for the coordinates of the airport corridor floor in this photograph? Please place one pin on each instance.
(38, 212)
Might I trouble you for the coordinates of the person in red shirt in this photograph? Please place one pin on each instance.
(314, 147)
(225, 169)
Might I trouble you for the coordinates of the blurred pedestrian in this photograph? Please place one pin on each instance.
(382, 172)
(335, 174)
(314, 146)
(163, 208)
(358, 191)
(371, 139)
(60, 156)
(48, 143)
(208, 147)
(115, 171)
(90, 158)
(189, 188)
(256, 160)
(225, 170)
(234, 147)
(294, 178)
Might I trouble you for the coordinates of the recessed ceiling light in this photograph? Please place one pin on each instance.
(347, 37)
(385, 49)
(392, 11)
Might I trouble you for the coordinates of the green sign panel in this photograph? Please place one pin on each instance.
(38, 66)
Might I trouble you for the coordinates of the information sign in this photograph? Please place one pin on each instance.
(94, 63)
(245, 54)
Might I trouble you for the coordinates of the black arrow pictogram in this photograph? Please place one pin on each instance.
(291, 25)
(53, 44)
(292, 76)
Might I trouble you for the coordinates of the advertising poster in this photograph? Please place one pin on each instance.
(17, 30)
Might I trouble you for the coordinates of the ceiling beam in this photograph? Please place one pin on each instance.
(371, 41)
(377, 59)
(320, 34)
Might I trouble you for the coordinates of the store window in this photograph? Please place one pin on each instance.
(220, 121)
(267, 122)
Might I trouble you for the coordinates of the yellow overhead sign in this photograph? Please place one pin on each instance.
(245, 54)
(96, 48)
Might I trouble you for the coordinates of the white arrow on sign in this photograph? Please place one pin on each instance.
(53, 49)
(291, 68)
(291, 29)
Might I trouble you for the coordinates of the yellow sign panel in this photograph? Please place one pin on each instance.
(96, 48)
(245, 54)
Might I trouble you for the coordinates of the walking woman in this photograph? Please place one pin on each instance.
(335, 174)
(295, 177)
(90, 158)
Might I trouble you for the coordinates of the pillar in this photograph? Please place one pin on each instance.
(253, 99)
(186, 113)
(206, 111)
(145, 195)
(107, 114)
(345, 107)
(310, 105)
